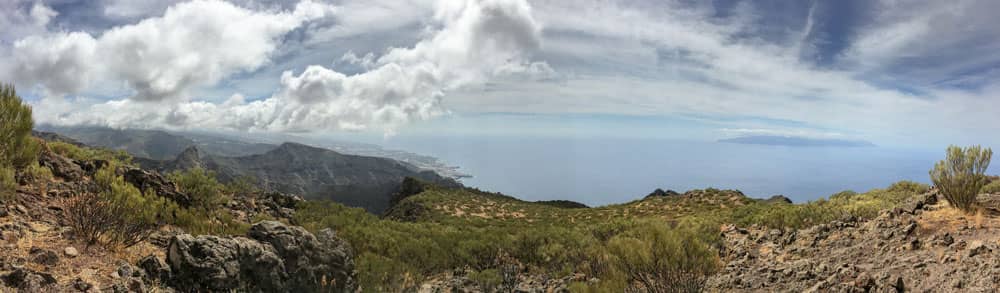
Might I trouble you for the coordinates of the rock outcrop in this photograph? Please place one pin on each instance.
(661, 193)
(150, 180)
(274, 257)
(60, 166)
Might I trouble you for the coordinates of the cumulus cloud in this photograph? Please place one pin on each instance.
(470, 43)
(20, 18)
(41, 14)
(193, 44)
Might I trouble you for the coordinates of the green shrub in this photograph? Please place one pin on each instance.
(117, 215)
(628, 249)
(377, 273)
(202, 222)
(993, 187)
(201, 185)
(39, 175)
(960, 175)
(656, 258)
(8, 184)
(487, 279)
(88, 154)
(242, 186)
(17, 147)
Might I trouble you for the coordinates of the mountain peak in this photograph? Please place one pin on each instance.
(189, 158)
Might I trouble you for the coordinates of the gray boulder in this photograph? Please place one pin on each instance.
(275, 258)
(60, 166)
(148, 180)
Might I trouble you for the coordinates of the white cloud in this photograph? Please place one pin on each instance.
(193, 44)
(666, 60)
(619, 57)
(41, 14)
(472, 41)
(20, 18)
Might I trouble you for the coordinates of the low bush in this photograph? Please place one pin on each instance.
(843, 204)
(242, 186)
(206, 192)
(961, 175)
(120, 158)
(202, 222)
(992, 187)
(8, 184)
(656, 258)
(119, 215)
(17, 147)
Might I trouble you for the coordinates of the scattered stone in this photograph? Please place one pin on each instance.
(155, 268)
(21, 209)
(28, 281)
(82, 285)
(71, 252)
(125, 271)
(43, 256)
(977, 248)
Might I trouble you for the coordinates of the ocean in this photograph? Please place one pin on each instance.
(607, 171)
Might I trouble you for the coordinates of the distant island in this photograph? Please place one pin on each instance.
(797, 141)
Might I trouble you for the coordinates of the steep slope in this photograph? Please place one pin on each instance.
(316, 173)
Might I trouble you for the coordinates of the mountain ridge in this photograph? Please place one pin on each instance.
(313, 172)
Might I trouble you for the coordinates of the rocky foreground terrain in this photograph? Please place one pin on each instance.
(37, 253)
(921, 246)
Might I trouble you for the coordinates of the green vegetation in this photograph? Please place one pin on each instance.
(17, 147)
(205, 215)
(242, 185)
(660, 244)
(118, 215)
(661, 259)
(8, 185)
(201, 185)
(38, 175)
(843, 204)
(961, 175)
(71, 151)
(993, 187)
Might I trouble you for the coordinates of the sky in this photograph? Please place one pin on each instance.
(893, 72)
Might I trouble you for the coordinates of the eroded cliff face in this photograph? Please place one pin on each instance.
(921, 246)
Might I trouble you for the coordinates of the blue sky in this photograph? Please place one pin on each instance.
(915, 73)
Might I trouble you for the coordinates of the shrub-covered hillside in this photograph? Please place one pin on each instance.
(658, 244)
